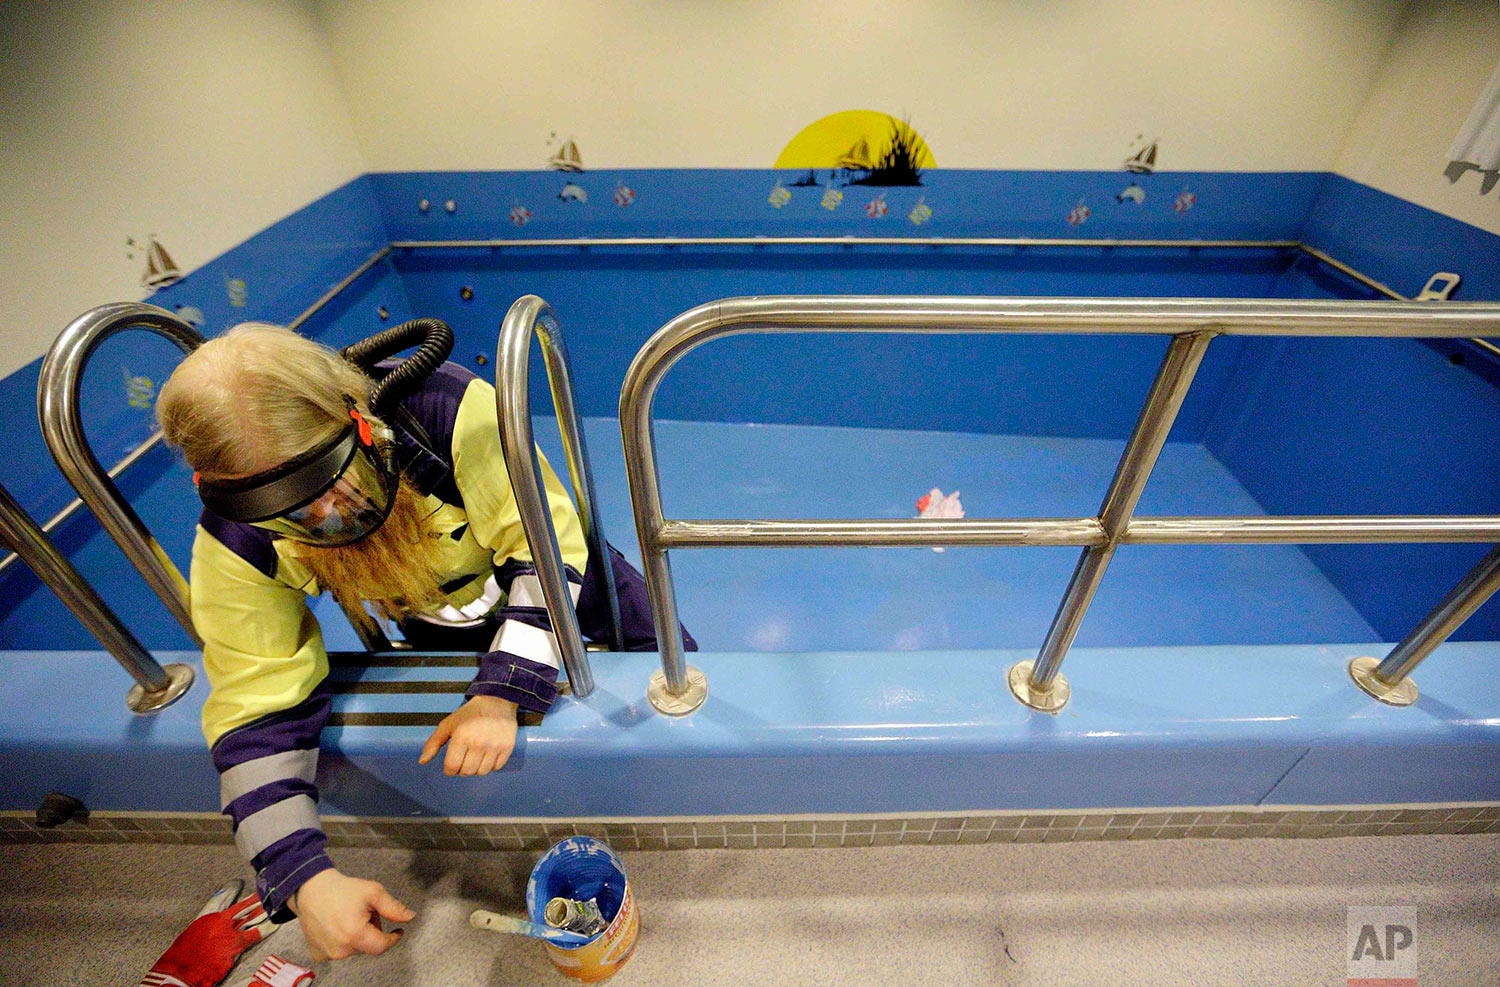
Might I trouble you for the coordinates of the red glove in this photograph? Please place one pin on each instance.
(277, 972)
(207, 950)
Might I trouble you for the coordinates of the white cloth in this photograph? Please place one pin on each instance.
(523, 640)
(277, 972)
(1478, 143)
(471, 614)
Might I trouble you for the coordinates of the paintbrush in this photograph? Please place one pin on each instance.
(495, 922)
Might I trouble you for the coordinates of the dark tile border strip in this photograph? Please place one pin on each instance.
(525, 717)
(358, 687)
(1231, 822)
(399, 659)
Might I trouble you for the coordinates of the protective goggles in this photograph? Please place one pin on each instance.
(333, 495)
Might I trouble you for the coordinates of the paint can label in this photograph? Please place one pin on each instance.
(583, 868)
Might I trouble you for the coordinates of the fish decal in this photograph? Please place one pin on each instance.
(192, 315)
(624, 195)
(1185, 200)
(779, 196)
(238, 292)
(920, 213)
(877, 208)
(140, 390)
(520, 215)
(831, 199)
(1079, 214)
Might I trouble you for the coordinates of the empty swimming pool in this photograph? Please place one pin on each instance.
(887, 645)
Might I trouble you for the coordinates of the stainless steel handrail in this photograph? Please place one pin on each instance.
(1108, 243)
(156, 687)
(841, 241)
(1285, 530)
(1040, 684)
(531, 316)
(1384, 289)
(761, 241)
(62, 430)
(154, 439)
(1191, 322)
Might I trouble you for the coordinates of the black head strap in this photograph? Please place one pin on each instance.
(276, 491)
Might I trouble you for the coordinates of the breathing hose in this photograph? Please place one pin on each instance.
(434, 341)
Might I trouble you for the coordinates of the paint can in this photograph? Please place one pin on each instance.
(583, 868)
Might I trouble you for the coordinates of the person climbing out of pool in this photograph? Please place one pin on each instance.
(321, 470)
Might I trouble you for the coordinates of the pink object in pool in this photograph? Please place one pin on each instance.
(935, 504)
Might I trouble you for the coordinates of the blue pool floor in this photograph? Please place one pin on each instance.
(854, 599)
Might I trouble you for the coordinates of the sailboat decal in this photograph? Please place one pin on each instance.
(1143, 162)
(857, 158)
(567, 159)
(160, 269)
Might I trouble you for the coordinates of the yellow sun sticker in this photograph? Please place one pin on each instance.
(871, 148)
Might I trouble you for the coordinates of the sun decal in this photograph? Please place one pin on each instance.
(858, 147)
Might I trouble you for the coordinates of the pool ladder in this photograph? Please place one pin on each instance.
(157, 687)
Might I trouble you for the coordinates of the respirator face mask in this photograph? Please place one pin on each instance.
(344, 489)
(332, 495)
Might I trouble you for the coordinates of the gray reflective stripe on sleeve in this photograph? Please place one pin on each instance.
(531, 643)
(526, 591)
(275, 822)
(524, 640)
(244, 778)
(470, 614)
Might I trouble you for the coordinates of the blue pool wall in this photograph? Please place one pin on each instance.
(795, 734)
(611, 299)
(1374, 426)
(1262, 725)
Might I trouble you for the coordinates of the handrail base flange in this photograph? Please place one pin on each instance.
(144, 703)
(681, 705)
(1049, 701)
(1362, 671)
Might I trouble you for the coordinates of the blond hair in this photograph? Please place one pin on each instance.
(258, 396)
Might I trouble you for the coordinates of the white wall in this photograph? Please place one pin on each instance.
(1247, 85)
(202, 121)
(205, 121)
(1441, 57)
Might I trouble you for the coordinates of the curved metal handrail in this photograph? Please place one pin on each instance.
(156, 687)
(1192, 324)
(530, 316)
(62, 429)
(151, 441)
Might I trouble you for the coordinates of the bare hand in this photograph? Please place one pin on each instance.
(480, 737)
(341, 916)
